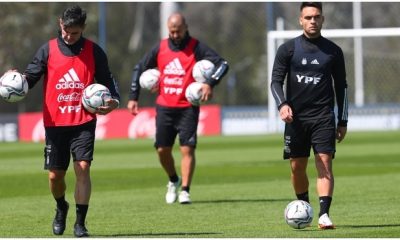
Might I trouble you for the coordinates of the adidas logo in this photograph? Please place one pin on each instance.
(174, 67)
(315, 61)
(70, 80)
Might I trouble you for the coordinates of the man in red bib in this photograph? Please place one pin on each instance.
(175, 57)
(69, 63)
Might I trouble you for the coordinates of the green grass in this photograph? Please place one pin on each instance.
(240, 189)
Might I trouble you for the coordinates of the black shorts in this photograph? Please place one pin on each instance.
(171, 122)
(62, 142)
(301, 135)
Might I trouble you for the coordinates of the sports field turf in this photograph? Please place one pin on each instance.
(240, 189)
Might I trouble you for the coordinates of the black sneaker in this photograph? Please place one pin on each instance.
(59, 221)
(80, 230)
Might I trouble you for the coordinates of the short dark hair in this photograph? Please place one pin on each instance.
(311, 4)
(73, 16)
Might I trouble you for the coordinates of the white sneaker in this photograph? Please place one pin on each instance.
(324, 222)
(172, 191)
(184, 198)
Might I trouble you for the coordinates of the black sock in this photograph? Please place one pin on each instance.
(303, 196)
(324, 205)
(81, 211)
(61, 203)
(187, 189)
(173, 178)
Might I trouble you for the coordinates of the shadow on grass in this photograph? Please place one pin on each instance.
(370, 226)
(155, 234)
(241, 201)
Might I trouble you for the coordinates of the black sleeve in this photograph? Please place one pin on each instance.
(340, 82)
(202, 52)
(280, 70)
(147, 62)
(38, 66)
(102, 73)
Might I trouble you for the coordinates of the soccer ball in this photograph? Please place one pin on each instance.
(299, 214)
(13, 86)
(94, 96)
(202, 70)
(193, 93)
(149, 78)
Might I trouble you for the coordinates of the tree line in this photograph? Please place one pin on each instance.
(237, 30)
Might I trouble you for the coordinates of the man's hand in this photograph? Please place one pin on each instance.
(133, 107)
(206, 92)
(341, 133)
(286, 113)
(111, 104)
(155, 88)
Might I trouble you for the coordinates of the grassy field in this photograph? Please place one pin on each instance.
(240, 189)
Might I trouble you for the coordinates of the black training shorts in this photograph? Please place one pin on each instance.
(62, 142)
(301, 135)
(171, 122)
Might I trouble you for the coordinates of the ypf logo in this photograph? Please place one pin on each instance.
(308, 80)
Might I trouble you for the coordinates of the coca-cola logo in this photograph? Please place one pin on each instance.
(142, 126)
(201, 125)
(173, 81)
(38, 132)
(69, 97)
(101, 126)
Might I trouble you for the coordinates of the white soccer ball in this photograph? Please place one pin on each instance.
(13, 86)
(94, 96)
(202, 70)
(299, 214)
(149, 78)
(193, 93)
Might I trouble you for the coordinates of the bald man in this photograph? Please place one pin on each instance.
(175, 57)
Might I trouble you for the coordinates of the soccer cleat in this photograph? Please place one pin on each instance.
(59, 221)
(184, 198)
(172, 191)
(325, 223)
(80, 231)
